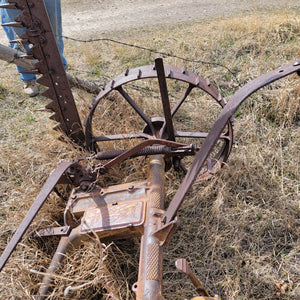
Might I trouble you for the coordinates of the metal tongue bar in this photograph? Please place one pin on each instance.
(34, 209)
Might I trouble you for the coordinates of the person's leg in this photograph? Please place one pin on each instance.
(7, 16)
(54, 12)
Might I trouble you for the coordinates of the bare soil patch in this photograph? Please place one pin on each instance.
(98, 17)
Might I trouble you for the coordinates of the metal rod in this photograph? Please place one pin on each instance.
(137, 148)
(74, 239)
(159, 65)
(197, 135)
(149, 282)
(122, 136)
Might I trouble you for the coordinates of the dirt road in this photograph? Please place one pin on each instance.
(94, 17)
(111, 15)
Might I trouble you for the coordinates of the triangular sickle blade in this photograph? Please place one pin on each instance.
(13, 24)
(45, 80)
(24, 18)
(52, 106)
(36, 52)
(8, 6)
(18, 4)
(39, 32)
(50, 93)
(56, 117)
(41, 66)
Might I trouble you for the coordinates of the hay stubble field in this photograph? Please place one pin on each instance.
(240, 229)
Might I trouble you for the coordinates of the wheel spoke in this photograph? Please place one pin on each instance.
(168, 125)
(115, 137)
(178, 104)
(136, 108)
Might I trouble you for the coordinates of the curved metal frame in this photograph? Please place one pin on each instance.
(234, 103)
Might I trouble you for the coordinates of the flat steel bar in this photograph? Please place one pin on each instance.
(115, 137)
(197, 135)
(159, 66)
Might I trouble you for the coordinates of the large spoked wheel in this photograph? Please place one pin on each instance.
(169, 103)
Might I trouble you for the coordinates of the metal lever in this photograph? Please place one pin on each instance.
(183, 267)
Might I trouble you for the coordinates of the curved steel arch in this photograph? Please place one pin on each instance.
(234, 103)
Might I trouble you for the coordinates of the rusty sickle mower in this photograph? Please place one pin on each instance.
(135, 209)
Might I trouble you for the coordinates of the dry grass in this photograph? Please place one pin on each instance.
(240, 229)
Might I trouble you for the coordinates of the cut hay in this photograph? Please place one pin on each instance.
(240, 230)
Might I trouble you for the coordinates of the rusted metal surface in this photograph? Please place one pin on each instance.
(149, 281)
(120, 211)
(168, 123)
(74, 239)
(183, 267)
(134, 209)
(188, 150)
(106, 211)
(131, 152)
(60, 231)
(34, 209)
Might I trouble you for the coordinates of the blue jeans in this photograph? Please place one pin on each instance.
(54, 12)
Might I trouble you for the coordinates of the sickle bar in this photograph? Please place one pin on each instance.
(39, 33)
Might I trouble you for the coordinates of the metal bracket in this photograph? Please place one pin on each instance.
(59, 231)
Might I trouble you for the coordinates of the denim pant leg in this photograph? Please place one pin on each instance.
(9, 15)
(54, 12)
